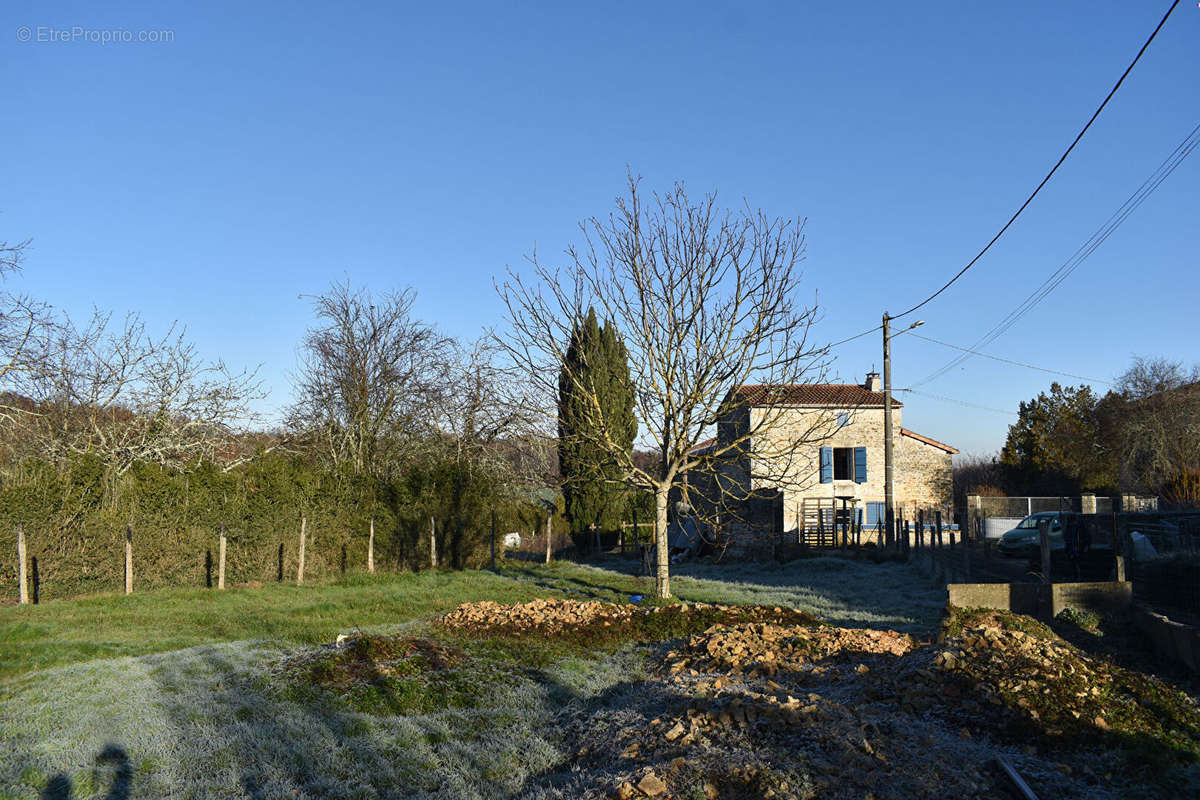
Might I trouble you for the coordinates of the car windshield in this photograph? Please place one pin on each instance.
(1030, 523)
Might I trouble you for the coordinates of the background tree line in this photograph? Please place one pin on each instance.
(106, 424)
(1141, 436)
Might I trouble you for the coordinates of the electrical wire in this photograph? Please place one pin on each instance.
(958, 402)
(1014, 363)
(852, 338)
(1029, 199)
(1131, 204)
(1053, 169)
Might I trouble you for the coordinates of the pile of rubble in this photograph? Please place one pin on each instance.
(555, 616)
(774, 710)
(765, 649)
(1034, 683)
(546, 616)
(767, 702)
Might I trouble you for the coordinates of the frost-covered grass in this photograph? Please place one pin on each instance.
(72, 630)
(207, 722)
(841, 591)
(178, 693)
(61, 632)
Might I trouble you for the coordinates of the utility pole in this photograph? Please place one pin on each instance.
(889, 493)
(889, 497)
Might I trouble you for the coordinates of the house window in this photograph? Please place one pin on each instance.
(843, 463)
(843, 419)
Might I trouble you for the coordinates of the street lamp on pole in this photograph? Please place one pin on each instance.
(889, 489)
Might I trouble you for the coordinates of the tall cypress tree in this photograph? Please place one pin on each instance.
(595, 371)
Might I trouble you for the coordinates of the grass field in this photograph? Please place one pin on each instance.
(179, 693)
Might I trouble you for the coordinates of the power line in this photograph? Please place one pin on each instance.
(1054, 169)
(1131, 204)
(958, 402)
(852, 338)
(1014, 363)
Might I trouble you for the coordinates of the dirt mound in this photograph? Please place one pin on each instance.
(545, 616)
(800, 711)
(766, 648)
(1023, 682)
(374, 673)
(364, 658)
(587, 619)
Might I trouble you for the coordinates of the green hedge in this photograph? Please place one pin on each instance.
(74, 521)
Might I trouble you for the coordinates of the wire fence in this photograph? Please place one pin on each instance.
(1159, 549)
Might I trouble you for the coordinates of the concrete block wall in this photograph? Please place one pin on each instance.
(1042, 599)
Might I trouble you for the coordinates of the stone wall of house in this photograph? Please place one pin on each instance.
(802, 478)
(924, 475)
(923, 472)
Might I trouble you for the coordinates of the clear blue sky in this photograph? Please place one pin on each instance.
(266, 151)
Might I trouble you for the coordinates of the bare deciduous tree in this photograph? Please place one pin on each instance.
(116, 392)
(23, 321)
(480, 413)
(706, 301)
(367, 375)
(1157, 420)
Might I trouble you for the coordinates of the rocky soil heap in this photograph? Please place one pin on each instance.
(766, 702)
(575, 618)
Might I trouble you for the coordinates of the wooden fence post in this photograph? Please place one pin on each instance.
(37, 583)
(548, 542)
(493, 541)
(432, 542)
(22, 580)
(371, 548)
(221, 560)
(279, 573)
(128, 558)
(300, 567)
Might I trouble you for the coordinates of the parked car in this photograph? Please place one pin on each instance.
(1024, 541)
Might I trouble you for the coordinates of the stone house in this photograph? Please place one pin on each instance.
(775, 485)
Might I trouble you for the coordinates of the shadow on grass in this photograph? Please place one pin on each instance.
(843, 591)
(60, 788)
(590, 589)
(239, 732)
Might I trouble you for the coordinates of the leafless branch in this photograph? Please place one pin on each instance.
(705, 300)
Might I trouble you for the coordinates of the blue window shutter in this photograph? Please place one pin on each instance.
(874, 514)
(826, 465)
(860, 465)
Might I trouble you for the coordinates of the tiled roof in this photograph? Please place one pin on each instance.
(701, 447)
(840, 395)
(927, 440)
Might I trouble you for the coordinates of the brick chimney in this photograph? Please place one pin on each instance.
(873, 383)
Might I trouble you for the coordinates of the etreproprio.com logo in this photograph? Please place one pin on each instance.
(49, 34)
